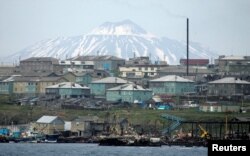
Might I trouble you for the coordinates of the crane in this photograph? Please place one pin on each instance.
(204, 133)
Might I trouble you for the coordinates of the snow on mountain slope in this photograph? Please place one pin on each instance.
(121, 39)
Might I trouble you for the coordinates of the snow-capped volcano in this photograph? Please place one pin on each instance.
(122, 39)
(125, 27)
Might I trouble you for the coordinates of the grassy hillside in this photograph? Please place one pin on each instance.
(24, 114)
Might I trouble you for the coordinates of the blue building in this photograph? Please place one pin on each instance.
(103, 62)
(67, 90)
(99, 87)
(171, 85)
(128, 93)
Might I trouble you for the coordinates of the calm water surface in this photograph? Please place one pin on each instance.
(25, 149)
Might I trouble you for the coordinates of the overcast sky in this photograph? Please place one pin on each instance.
(221, 25)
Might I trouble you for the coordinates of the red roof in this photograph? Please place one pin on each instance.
(194, 61)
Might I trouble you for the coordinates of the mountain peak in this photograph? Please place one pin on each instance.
(125, 27)
(122, 39)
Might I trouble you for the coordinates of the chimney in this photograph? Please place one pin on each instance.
(187, 45)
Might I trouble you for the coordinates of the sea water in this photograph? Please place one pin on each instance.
(42, 149)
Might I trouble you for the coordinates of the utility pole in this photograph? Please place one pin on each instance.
(187, 44)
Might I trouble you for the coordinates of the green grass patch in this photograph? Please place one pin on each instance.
(25, 114)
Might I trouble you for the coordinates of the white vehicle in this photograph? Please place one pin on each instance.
(190, 104)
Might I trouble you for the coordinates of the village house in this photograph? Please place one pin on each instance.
(229, 86)
(171, 85)
(67, 90)
(98, 88)
(128, 93)
(48, 125)
(83, 125)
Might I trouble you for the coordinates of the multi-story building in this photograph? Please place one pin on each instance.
(39, 65)
(83, 79)
(182, 71)
(6, 85)
(172, 85)
(67, 90)
(104, 62)
(27, 86)
(99, 87)
(233, 65)
(139, 71)
(74, 65)
(128, 93)
(229, 86)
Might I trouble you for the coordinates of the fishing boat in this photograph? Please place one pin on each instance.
(123, 141)
(51, 138)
